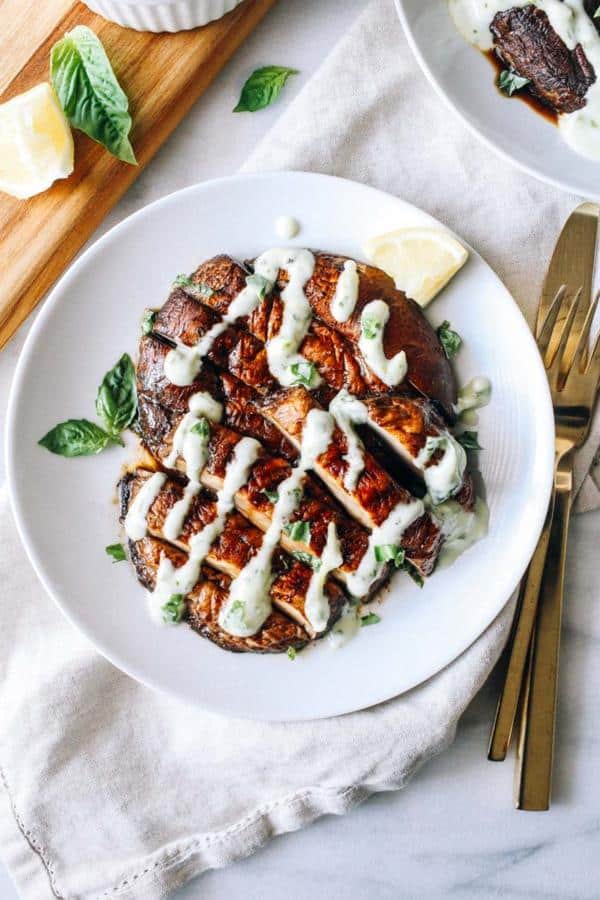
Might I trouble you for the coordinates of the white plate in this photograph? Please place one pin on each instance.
(65, 508)
(465, 79)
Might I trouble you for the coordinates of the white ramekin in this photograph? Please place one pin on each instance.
(161, 15)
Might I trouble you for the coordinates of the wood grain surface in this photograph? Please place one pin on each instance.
(162, 74)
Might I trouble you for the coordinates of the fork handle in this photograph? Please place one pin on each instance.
(533, 779)
(508, 701)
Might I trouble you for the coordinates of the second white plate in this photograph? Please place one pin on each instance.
(66, 511)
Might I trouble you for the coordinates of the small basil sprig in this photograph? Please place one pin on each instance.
(76, 437)
(509, 82)
(370, 619)
(304, 373)
(263, 87)
(173, 609)
(116, 551)
(450, 340)
(195, 288)
(308, 559)
(116, 402)
(291, 653)
(89, 92)
(469, 440)
(390, 553)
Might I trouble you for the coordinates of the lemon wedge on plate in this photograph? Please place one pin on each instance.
(36, 144)
(420, 260)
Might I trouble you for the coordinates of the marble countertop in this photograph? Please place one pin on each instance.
(453, 829)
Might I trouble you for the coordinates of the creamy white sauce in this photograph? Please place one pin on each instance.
(389, 532)
(189, 444)
(176, 516)
(282, 350)
(249, 603)
(136, 527)
(474, 395)
(348, 411)
(373, 321)
(286, 227)
(171, 580)
(445, 477)
(580, 129)
(346, 627)
(182, 364)
(461, 529)
(316, 605)
(346, 292)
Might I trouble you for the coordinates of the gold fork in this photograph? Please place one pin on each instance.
(574, 376)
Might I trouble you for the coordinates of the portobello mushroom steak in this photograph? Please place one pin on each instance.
(298, 412)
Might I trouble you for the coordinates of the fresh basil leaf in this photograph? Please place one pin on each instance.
(371, 619)
(263, 87)
(370, 327)
(303, 372)
(390, 553)
(76, 437)
(450, 340)
(308, 559)
(116, 401)
(201, 428)
(173, 609)
(469, 440)
(273, 496)
(89, 92)
(291, 653)
(117, 551)
(509, 82)
(298, 531)
(148, 321)
(195, 288)
(261, 285)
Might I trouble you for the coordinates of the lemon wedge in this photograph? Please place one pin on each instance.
(36, 144)
(420, 260)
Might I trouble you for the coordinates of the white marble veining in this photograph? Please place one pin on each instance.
(452, 831)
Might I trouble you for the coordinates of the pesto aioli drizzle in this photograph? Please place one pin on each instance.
(348, 411)
(373, 321)
(136, 527)
(189, 444)
(346, 292)
(249, 603)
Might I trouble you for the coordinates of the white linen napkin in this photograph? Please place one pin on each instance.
(112, 790)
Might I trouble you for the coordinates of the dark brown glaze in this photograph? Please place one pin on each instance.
(333, 346)
(404, 422)
(526, 42)
(242, 415)
(234, 548)
(203, 604)
(316, 506)
(376, 493)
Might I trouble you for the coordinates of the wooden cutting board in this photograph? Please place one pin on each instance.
(162, 74)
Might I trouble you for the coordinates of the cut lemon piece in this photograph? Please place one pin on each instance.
(420, 260)
(36, 144)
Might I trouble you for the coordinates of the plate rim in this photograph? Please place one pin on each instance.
(115, 657)
(436, 84)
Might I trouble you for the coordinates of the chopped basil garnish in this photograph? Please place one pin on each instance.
(89, 92)
(116, 551)
(389, 553)
(201, 428)
(261, 285)
(416, 577)
(148, 321)
(197, 288)
(291, 653)
(173, 609)
(116, 402)
(76, 437)
(370, 327)
(308, 559)
(273, 496)
(450, 340)
(509, 82)
(263, 87)
(469, 440)
(371, 619)
(298, 531)
(303, 372)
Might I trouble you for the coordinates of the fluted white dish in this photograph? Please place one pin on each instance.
(162, 15)
(65, 508)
